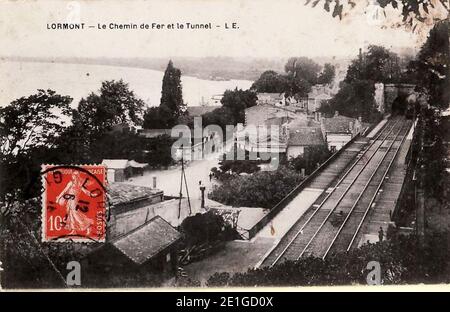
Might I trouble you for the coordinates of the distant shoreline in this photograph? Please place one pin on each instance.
(192, 67)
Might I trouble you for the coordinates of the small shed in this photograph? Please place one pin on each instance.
(137, 168)
(154, 244)
(118, 170)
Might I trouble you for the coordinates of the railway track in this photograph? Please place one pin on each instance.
(338, 219)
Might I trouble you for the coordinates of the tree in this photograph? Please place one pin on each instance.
(32, 121)
(236, 101)
(302, 73)
(159, 151)
(29, 131)
(172, 94)
(261, 189)
(327, 74)
(413, 11)
(153, 119)
(116, 104)
(271, 82)
(355, 100)
(313, 155)
(205, 228)
(378, 64)
(432, 66)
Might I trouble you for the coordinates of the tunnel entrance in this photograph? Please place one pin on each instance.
(399, 105)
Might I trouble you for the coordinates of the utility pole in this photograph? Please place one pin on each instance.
(183, 178)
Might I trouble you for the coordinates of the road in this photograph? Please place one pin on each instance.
(169, 180)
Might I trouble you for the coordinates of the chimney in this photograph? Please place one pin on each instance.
(350, 126)
(154, 181)
(336, 113)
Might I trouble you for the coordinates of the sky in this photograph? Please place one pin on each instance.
(279, 28)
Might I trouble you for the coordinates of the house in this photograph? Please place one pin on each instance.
(315, 101)
(338, 130)
(287, 137)
(276, 99)
(261, 140)
(118, 170)
(152, 244)
(149, 250)
(259, 114)
(316, 97)
(131, 206)
(301, 137)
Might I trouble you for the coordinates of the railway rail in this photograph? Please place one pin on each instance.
(337, 220)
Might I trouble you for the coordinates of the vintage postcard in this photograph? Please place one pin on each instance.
(155, 144)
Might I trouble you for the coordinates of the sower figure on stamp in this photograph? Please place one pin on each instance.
(68, 198)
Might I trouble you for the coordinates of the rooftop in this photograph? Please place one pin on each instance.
(121, 193)
(148, 240)
(338, 124)
(306, 136)
(273, 95)
(115, 163)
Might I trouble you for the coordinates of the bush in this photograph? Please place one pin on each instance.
(261, 189)
(401, 260)
(205, 228)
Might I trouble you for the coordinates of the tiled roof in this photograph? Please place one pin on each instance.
(305, 136)
(200, 110)
(301, 122)
(338, 124)
(121, 193)
(148, 240)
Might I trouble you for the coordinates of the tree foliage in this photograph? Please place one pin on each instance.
(377, 64)
(205, 228)
(115, 104)
(432, 67)
(261, 189)
(313, 156)
(354, 99)
(33, 121)
(271, 82)
(356, 94)
(413, 11)
(172, 95)
(29, 131)
(327, 75)
(236, 101)
(301, 73)
(401, 259)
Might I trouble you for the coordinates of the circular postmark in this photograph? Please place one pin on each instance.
(74, 203)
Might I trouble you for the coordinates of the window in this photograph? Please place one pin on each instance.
(168, 257)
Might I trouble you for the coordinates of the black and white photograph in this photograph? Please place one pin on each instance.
(192, 144)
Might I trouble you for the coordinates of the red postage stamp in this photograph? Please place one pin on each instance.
(74, 203)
